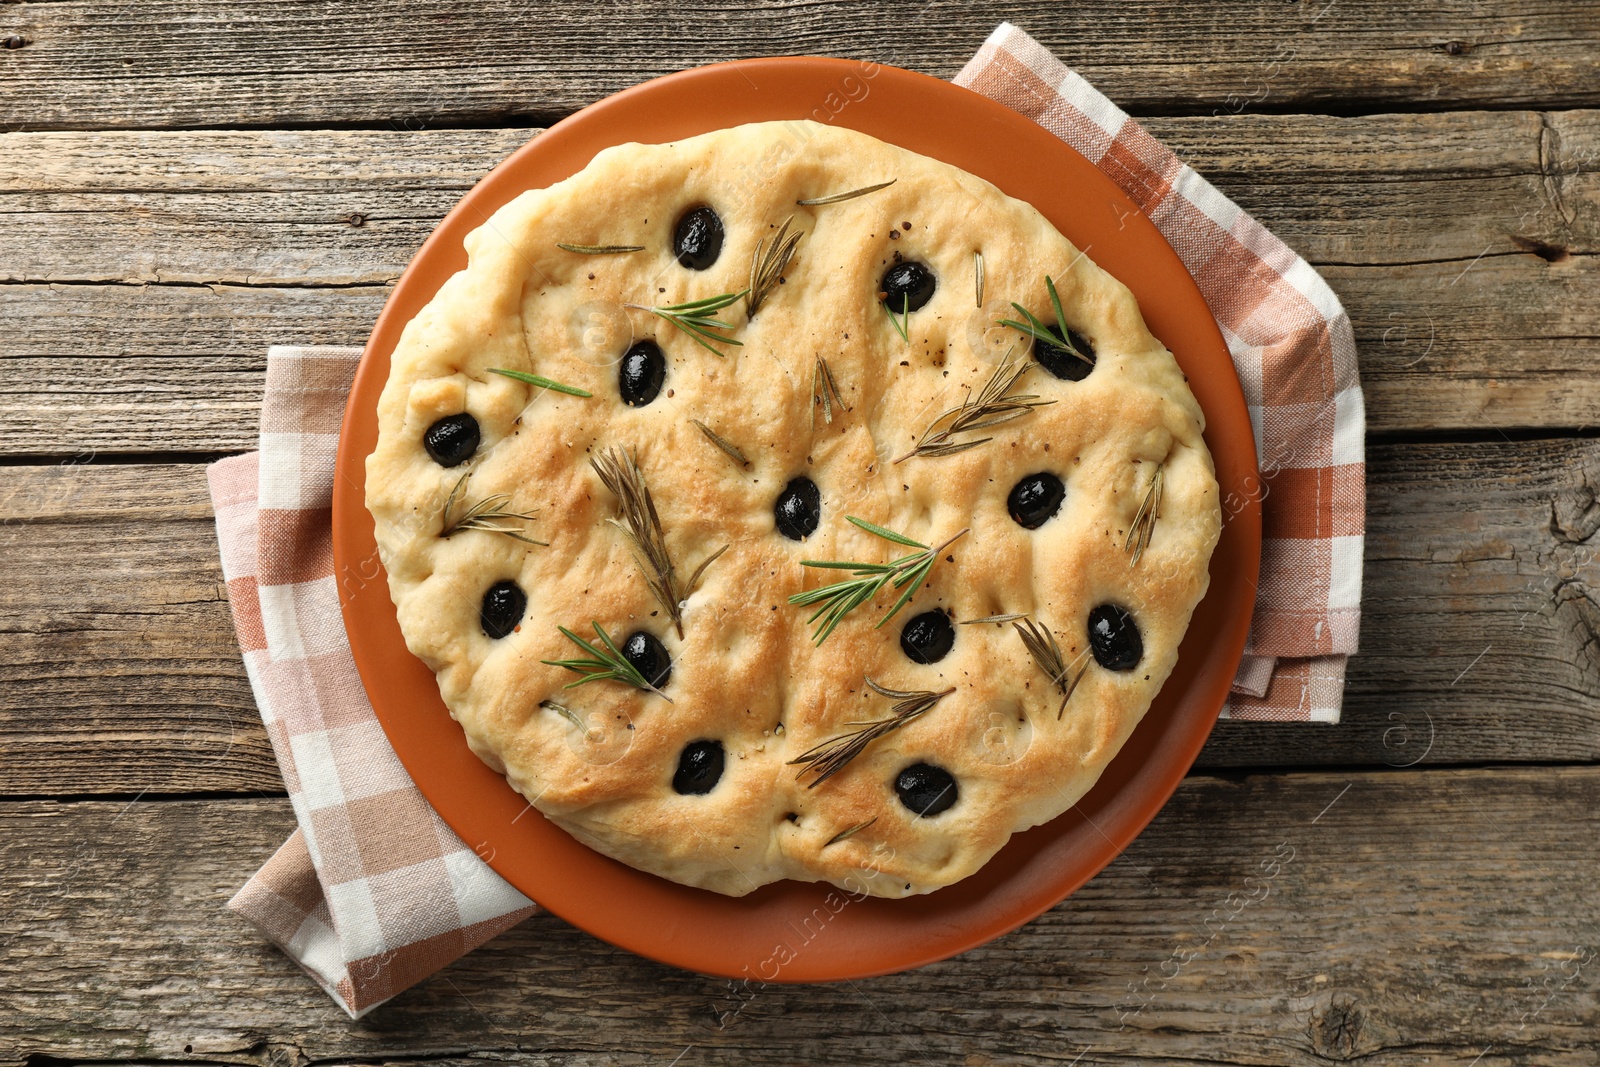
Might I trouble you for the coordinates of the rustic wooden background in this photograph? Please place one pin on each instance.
(183, 184)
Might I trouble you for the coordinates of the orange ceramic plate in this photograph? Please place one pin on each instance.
(793, 931)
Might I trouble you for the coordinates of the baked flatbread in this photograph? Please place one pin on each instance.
(1059, 490)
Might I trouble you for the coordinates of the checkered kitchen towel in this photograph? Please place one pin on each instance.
(374, 893)
(1296, 356)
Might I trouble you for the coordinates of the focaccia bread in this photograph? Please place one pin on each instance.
(603, 571)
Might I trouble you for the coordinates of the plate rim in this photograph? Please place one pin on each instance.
(1242, 532)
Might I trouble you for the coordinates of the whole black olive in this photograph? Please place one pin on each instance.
(502, 608)
(907, 286)
(698, 238)
(798, 509)
(649, 657)
(1059, 361)
(699, 768)
(925, 789)
(452, 439)
(1114, 638)
(928, 637)
(1035, 499)
(642, 373)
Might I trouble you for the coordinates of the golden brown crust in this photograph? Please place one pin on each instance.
(745, 671)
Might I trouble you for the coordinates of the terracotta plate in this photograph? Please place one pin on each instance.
(791, 931)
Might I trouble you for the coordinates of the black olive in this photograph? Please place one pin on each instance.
(1062, 363)
(907, 286)
(452, 439)
(928, 637)
(798, 509)
(649, 657)
(699, 768)
(643, 371)
(698, 238)
(502, 609)
(1035, 499)
(1114, 638)
(925, 789)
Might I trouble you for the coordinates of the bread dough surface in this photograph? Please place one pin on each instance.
(746, 672)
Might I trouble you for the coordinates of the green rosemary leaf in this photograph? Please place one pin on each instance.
(844, 834)
(768, 264)
(887, 535)
(832, 756)
(541, 381)
(1034, 327)
(902, 325)
(1047, 656)
(694, 579)
(1008, 617)
(599, 250)
(698, 319)
(869, 579)
(565, 712)
(1055, 304)
(851, 195)
(994, 404)
(602, 665)
(733, 451)
(824, 391)
(1144, 520)
(486, 515)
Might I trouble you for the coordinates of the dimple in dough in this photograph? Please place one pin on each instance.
(746, 672)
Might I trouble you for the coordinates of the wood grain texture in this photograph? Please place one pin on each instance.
(1394, 919)
(146, 273)
(1480, 623)
(89, 64)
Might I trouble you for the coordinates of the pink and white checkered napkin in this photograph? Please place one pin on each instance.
(1294, 350)
(373, 892)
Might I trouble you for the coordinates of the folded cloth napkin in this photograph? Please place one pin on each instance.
(373, 892)
(1294, 350)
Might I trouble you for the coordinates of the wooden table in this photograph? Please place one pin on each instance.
(184, 184)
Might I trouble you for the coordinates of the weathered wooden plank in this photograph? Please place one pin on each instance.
(1479, 626)
(117, 640)
(88, 64)
(336, 207)
(1502, 342)
(1463, 246)
(1401, 919)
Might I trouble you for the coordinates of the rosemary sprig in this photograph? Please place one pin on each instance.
(844, 834)
(836, 198)
(620, 473)
(1008, 617)
(733, 451)
(977, 275)
(994, 404)
(1144, 520)
(902, 325)
(565, 712)
(1047, 656)
(599, 250)
(1036, 329)
(824, 391)
(698, 318)
(831, 756)
(768, 264)
(486, 515)
(540, 380)
(840, 598)
(602, 664)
